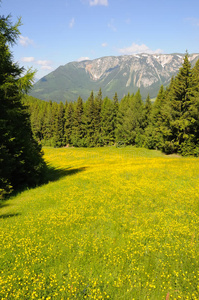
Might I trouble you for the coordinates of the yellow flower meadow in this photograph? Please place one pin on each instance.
(113, 223)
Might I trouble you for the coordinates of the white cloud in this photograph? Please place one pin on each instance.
(43, 67)
(83, 58)
(72, 23)
(28, 59)
(135, 48)
(104, 44)
(46, 68)
(25, 41)
(98, 2)
(45, 64)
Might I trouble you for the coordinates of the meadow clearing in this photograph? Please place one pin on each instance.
(117, 223)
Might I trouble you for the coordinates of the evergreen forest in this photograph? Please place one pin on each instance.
(170, 124)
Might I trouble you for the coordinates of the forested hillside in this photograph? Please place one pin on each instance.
(171, 124)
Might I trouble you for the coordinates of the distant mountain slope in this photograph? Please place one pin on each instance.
(121, 74)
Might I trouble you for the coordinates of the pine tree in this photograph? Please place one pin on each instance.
(89, 122)
(77, 130)
(179, 98)
(195, 80)
(130, 119)
(108, 122)
(68, 123)
(191, 145)
(115, 113)
(21, 161)
(59, 139)
(137, 119)
(147, 111)
(156, 130)
(121, 135)
(50, 126)
(97, 118)
(47, 125)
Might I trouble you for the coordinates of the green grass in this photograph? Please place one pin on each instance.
(114, 223)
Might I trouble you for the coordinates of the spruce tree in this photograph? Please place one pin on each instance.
(68, 123)
(130, 119)
(108, 122)
(89, 122)
(115, 113)
(179, 99)
(97, 118)
(59, 139)
(147, 111)
(121, 135)
(48, 124)
(77, 130)
(21, 161)
(155, 131)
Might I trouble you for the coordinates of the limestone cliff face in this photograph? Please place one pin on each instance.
(139, 70)
(121, 74)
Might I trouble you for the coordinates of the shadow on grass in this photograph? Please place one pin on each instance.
(51, 174)
(6, 216)
(54, 174)
(2, 204)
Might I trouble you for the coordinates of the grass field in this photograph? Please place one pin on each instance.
(117, 223)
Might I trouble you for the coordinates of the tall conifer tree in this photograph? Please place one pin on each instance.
(121, 135)
(108, 122)
(59, 139)
(89, 122)
(69, 115)
(179, 100)
(21, 161)
(77, 130)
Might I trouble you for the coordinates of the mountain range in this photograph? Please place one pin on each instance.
(122, 74)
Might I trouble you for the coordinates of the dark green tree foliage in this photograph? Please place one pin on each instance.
(195, 82)
(48, 125)
(115, 113)
(182, 103)
(138, 118)
(77, 129)
(37, 122)
(59, 138)
(194, 105)
(154, 129)
(21, 161)
(130, 119)
(108, 122)
(69, 123)
(97, 118)
(89, 122)
(147, 111)
(121, 135)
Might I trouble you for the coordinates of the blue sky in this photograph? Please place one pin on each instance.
(55, 32)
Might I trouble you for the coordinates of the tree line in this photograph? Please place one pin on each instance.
(170, 124)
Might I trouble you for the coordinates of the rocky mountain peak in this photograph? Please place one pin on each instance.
(121, 74)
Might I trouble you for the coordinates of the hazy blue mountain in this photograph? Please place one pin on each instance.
(121, 74)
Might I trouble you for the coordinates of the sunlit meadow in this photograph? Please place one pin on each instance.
(117, 223)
